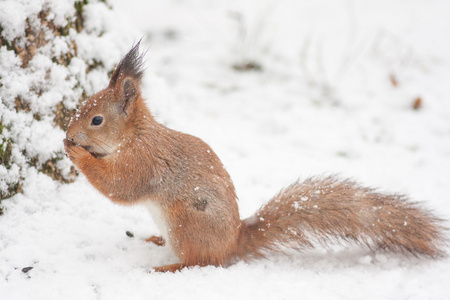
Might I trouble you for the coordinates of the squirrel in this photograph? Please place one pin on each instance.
(114, 140)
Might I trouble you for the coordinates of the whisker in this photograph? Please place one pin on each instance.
(102, 145)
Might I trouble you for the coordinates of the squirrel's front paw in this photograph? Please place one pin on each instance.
(75, 153)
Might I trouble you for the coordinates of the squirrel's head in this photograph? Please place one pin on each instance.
(104, 120)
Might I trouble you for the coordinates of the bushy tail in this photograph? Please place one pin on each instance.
(328, 210)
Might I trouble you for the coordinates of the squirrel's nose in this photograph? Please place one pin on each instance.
(70, 135)
(77, 138)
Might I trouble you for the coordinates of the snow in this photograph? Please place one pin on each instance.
(323, 102)
(42, 84)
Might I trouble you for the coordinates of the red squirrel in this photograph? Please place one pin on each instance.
(132, 159)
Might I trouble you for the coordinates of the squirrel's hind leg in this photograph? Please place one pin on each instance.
(169, 268)
(178, 267)
(157, 240)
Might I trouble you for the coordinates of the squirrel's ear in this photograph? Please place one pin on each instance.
(129, 93)
(127, 77)
(131, 65)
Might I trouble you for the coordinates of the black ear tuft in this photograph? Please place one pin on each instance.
(131, 65)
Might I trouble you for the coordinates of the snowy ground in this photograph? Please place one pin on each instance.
(335, 94)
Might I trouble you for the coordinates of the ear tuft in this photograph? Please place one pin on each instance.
(131, 65)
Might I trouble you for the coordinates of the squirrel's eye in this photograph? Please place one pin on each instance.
(97, 120)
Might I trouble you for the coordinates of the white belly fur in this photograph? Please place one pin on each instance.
(158, 217)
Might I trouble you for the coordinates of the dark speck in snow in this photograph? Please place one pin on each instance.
(27, 269)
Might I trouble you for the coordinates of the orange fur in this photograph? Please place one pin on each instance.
(157, 240)
(131, 159)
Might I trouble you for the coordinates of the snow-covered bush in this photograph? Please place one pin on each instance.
(53, 54)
